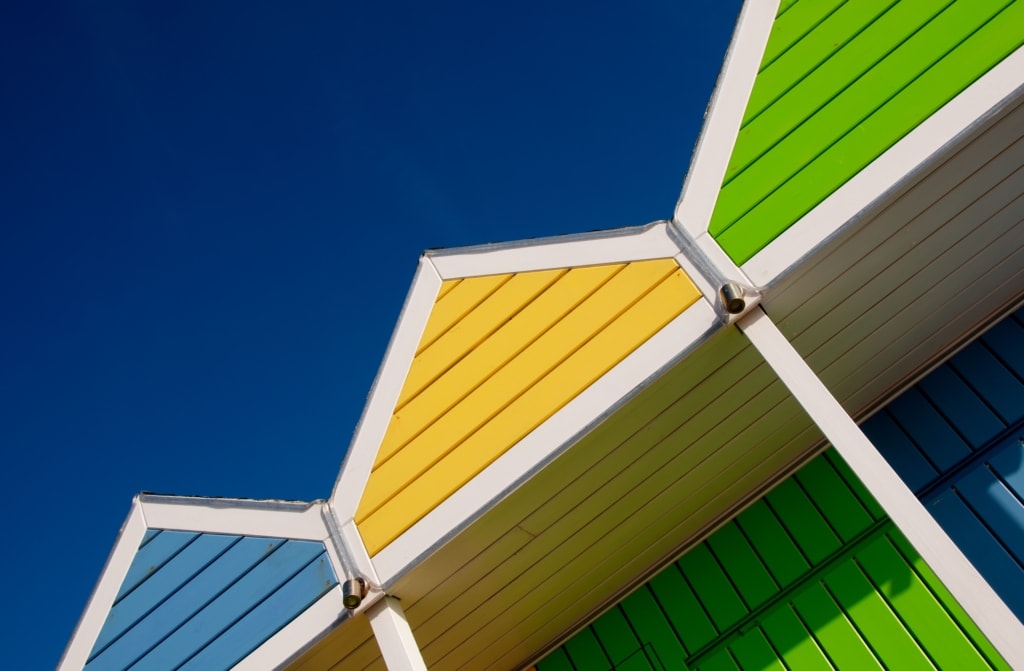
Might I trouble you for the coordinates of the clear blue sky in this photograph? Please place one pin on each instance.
(210, 214)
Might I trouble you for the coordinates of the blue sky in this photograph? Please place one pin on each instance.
(210, 214)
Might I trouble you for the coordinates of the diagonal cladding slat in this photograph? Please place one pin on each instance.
(509, 335)
(154, 553)
(792, 25)
(470, 332)
(509, 419)
(455, 303)
(820, 67)
(585, 526)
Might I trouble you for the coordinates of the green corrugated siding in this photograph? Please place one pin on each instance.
(839, 84)
(812, 576)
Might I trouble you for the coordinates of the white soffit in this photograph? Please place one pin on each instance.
(95, 614)
(548, 440)
(721, 128)
(998, 89)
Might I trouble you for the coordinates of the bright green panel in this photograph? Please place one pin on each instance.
(917, 607)
(752, 651)
(653, 627)
(838, 639)
(712, 587)
(682, 608)
(778, 552)
(837, 503)
(790, 637)
(585, 652)
(871, 615)
(748, 574)
(794, 21)
(902, 545)
(797, 170)
(804, 523)
(616, 637)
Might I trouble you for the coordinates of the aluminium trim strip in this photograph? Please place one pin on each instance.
(959, 576)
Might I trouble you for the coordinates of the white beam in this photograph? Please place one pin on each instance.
(960, 577)
(394, 636)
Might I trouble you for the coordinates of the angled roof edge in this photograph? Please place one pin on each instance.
(622, 245)
(292, 520)
(300, 634)
(721, 127)
(993, 94)
(549, 440)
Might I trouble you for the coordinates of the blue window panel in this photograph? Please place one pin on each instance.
(899, 451)
(185, 603)
(267, 618)
(1007, 338)
(1008, 461)
(161, 584)
(1000, 388)
(928, 429)
(216, 616)
(152, 555)
(961, 406)
(997, 505)
(988, 556)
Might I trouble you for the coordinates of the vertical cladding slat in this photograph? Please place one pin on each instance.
(592, 337)
(993, 502)
(264, 620)
(985, 373)
(585, 651)
(867, 601)
(1007, 462)
(920, 612)
(1005, 338)
(856, 486)
(959, 404)
(838, 638)
(556, 661)
(152, 554)
(249, 584)
(901, 453)
(865, 97)
(184, 603)
(928, 429)
(616, 636)
(161, 584)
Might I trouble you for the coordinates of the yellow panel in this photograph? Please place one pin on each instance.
(508, 370)
(455, 302)
(475, 327)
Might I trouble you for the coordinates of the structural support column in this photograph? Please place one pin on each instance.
(982, 604)
(394, 636)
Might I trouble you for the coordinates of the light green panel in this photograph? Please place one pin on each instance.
(840, 83)
(812, 576)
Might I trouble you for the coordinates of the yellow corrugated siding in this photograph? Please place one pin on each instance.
(499, 356)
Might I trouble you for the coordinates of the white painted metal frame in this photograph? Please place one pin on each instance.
(394, 636)
(986, 97)
(943, 556)
(721, 128)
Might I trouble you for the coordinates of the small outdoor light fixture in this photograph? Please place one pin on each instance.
(352, 592)
(733, 298)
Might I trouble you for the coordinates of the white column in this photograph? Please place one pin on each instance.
(394, 636)
(960, 577)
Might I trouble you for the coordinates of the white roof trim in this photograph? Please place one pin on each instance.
(298, 635)
(295, 521)
(724, 117)
(95, 614)
(639, 243)
(355, 471)
(988, 96)
(547, 441)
